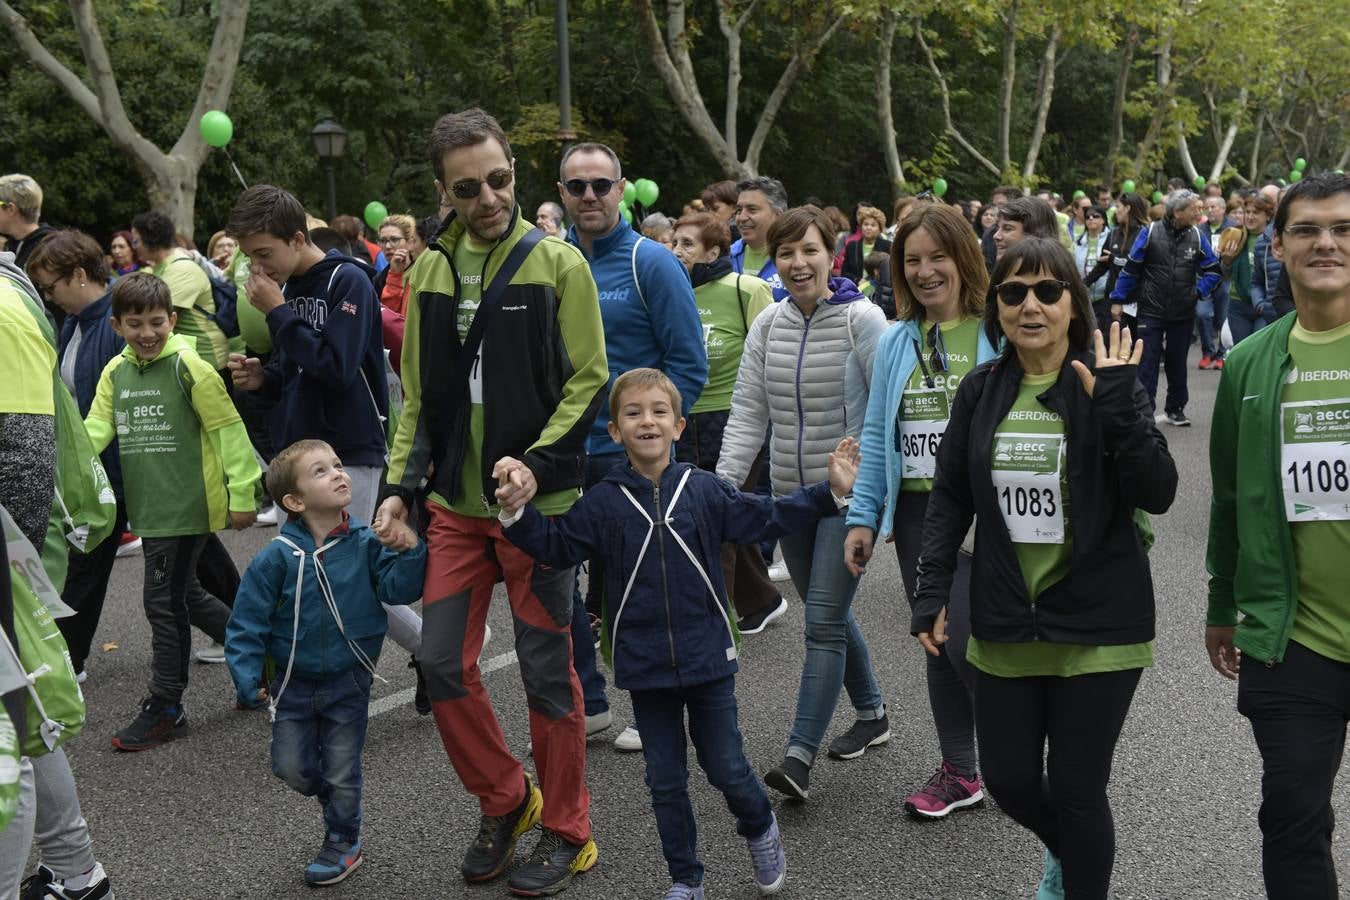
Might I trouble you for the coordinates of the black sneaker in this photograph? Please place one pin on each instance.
(491, 851)
(1178, 418)
(421, 702)
(44, 885)
(862, 734)
(757, 622)
(157, 723)
(791, 777)
(550, 868)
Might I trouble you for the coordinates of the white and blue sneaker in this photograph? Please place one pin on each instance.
(335, 861)
(1052, 882)
(766, 853)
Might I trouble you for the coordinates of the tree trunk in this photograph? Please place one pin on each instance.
(732, 31)
(1118, 103)
(1160, 110)
(1254, 170)
(1226, 146)
(1045, 86)
(944, 95)
(885, 117)
(1009, 78)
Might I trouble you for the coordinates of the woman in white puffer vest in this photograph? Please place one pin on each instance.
(805, 371)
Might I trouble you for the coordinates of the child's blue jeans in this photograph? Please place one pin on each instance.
(316, 743)
(717, 741)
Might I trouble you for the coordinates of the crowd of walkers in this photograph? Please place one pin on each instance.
(643, 432)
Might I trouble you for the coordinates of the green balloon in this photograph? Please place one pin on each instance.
(1200, 182)
(939, 186)
(1300, 164)
(1340, 171)
(1157, 196)
(627, 214)
(647, 191)
(375, 214)
(629, 192)
(216, 127)
(1079, 195)
(1296, 175)
(1127, 186)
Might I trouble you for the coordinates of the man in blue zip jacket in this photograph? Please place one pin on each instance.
(651, 320)
(759, 201)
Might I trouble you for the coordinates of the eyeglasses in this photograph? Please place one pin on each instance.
(1014, 293)
(1307, 233)
(391, 240)
(468, 190)
(601, 186)
(46, 289)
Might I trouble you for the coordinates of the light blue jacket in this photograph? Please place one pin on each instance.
(873, 504)
(650, 317)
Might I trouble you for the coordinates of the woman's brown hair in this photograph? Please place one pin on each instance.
(951, 232)
(792, 226)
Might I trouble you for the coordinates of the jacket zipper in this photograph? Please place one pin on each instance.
(1291, 582)
(801, 413)
(665, 588)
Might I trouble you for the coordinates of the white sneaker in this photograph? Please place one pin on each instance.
(269, 518)
(779, 572)
(599, 722)
(628, 741)
(83, 676)
(129, 548)
(213, 654)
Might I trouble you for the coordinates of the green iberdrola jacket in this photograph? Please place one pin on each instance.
(186, 457)
(542, 368)
(1251, 548)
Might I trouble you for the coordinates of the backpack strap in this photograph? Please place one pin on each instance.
(636, 281)
(492, 298)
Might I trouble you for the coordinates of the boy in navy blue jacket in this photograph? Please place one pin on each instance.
(668, 635)
(311, 603)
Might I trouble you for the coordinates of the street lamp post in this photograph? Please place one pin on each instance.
(330, 142)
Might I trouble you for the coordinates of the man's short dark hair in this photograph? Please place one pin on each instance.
(720, 192)
(156, 230)
(140, 293)
(771, 188)
(1319, 186)
(60, 254)
(590, 147)
(1036, 215)
(265, 209)
(1009, 192)
(468, 128)
(1176, 184)
(330, 239)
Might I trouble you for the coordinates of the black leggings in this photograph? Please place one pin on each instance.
(1062, 799)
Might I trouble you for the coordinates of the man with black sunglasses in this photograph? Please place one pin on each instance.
(503, 355)
(651, 321)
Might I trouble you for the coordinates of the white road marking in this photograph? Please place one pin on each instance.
(405, 696)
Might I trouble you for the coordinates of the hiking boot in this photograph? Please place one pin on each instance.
(862, 734)
(945, 792)
(421, 702)
(336, 860)
(757, 622)
(44, 885)
(550, 868)
(157, 723)
(791, 777)
(491, 851)
(770, 862)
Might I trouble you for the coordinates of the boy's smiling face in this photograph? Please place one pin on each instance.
(647, 425)
(322, 485)
(146, 332)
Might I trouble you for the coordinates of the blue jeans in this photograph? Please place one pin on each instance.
(1244, 320)
(836, 652)
(1177, 337)
(583, 645)
(721, 754)
(317, 740)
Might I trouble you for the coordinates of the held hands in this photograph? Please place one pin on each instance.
(1120, 354)
(241, 520)
(397, 536)
(1223, 656)
(263, 292)
(843, 466)
(932, 642)
(245, 372)
(858, 549)
(516, 484)
(391, 514)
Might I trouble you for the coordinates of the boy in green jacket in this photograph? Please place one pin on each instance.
(1279, 535)
(187, 469)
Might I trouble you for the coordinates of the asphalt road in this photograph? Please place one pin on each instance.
(205, 818)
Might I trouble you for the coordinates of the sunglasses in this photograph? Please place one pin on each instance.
(577, 186)
(937, 351)
(1014, 293)
(468, 190)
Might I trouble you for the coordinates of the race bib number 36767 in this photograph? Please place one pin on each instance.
(1025, 469)
(1315, 460)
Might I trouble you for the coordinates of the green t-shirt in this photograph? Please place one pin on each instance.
(252, 321)
(754, 260)
(1315, 467)
(473, 500)
(726, 307)
(27, 357)
(923, 414)
(191, 292)
(1029, 462)
(867, 251)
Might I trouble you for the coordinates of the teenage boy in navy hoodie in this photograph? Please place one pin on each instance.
(327, 367)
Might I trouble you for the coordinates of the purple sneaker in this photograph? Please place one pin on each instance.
(944, 793)
(766, 852)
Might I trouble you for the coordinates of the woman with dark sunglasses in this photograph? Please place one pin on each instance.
(1050, 449)
(940, 280)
